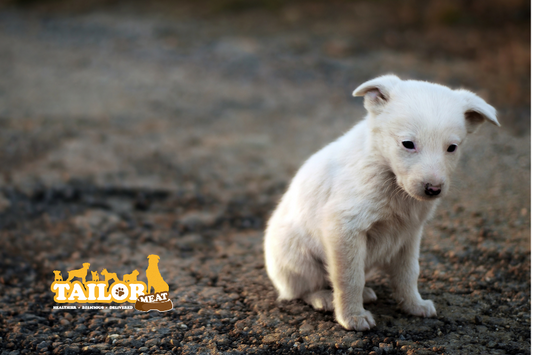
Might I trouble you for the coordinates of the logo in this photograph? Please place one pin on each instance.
(100, 290)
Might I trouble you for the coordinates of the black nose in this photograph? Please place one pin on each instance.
(432, 190)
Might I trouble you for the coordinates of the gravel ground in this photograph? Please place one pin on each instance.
(173, 129)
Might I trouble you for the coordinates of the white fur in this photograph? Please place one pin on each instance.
(361, 202)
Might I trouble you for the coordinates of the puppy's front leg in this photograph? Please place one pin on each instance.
(404, 270)
(346, 252)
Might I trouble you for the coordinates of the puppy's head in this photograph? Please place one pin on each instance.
(419, 128)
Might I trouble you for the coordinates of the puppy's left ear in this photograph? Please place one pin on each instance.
(377, 92)
(477, 111)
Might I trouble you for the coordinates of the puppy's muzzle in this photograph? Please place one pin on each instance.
(432, 190)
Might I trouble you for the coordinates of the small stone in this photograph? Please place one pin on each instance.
(43, 345)
(111, 320)
(135, 343)
(163, 331)
(349, 339)
(221, 339)
(240, 324)
(423, 352)
(358, 344)
(385, 347)
(307, 328)
(71, 350)
(102, 346)
(56, 344)
(81, 328)
(152, 342)
(270, 338)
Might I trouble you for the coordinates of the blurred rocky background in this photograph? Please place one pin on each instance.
(130, 128)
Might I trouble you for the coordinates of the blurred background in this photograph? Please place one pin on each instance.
(130, 128)
(107, 107)
(171, 94)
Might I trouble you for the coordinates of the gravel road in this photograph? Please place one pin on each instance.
(129, 129)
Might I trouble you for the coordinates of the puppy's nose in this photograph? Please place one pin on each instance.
(432, 190)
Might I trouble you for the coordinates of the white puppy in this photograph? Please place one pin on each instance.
(362, 201)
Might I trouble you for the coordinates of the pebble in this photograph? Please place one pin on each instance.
(307, 328)
(271, 338)
(102, 346)
(70, 334)
(152, 342)
(358, 344)
(386, 347)
(43, 345)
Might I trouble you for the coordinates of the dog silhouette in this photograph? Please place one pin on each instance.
(81, 273)
(131, 277)
(109, 275)
(96, 278)
(153, 275)
(58, 277)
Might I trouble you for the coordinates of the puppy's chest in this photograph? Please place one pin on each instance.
(397, 225)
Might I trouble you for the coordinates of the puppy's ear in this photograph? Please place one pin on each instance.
(477, 111)
(377, 92)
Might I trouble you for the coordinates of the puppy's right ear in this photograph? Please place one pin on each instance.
(377, 92)
(477, 111)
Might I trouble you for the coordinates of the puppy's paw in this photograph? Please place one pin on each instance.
(361, 322)
(369, 295)
(424, 308)
(321, 300)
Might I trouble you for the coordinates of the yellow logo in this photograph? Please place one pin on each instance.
(99, 289)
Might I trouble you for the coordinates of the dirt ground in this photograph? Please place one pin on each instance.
(129, 129)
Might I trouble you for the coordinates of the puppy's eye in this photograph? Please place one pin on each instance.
(452, 148)
(408, 144)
